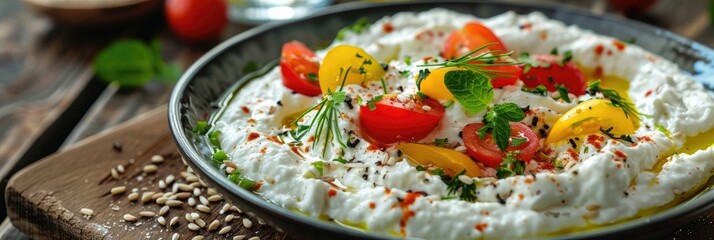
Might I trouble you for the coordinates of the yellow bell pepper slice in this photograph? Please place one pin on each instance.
(588, 117)
(451, 161)
(434, 87)
(364, 68)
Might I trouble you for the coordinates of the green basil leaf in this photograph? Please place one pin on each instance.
(506, 112)
(473, 91)
(129, 62)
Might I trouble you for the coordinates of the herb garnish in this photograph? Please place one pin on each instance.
(510, 166)
(497, 121)
(359, 26)
(201, 127)
(477, 62)
(562, 92)
(374, 100)
(473, 91)
(539, 90)
(325, 120)
(319, 166)
(242, 182)
(468, 191)
(623, 137)
(615, 99)
(441, 142)
(133, 63)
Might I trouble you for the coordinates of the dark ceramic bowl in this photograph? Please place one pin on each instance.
(196, 96)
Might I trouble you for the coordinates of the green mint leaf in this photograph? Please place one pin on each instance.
(170, 73)
(130, 63)
(509, 112)
(501, 133)
(473, 91)
(499, 118)
(563, 92)
(319, 166)
(408, 60)
(441, 142)
(482, 132)
(420, 168)
(517, 141)
(554, 51)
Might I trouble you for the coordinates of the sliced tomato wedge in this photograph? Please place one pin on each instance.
(551, 71)
(392, 120)
(485, 150)
(299, 68)
(508, 75)
(472, 36)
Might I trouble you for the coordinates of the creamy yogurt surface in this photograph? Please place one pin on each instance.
(596, 180)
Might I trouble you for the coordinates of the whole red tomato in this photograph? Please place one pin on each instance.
(197, 20)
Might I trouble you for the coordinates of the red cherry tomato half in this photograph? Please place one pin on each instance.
(551, 71)
(486, 151)
(197, 20)
(299, 67)
(393, 121)
(472, 36)
(508, 75)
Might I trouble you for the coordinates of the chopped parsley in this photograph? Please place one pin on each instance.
(219, 156)
(467, 192)
(539, 90)
(374, 100)
(408, 60)
(358, 27)
(510, 166)
(319, 166)
(562, 92)
(213, 138)
(201, 127)
(441, 142)
(405, 73)
(312, 77)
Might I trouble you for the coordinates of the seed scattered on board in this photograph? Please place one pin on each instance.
(87, 211)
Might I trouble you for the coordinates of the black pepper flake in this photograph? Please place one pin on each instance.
(563, 202)
(461, 134)
(348, 101)
(626, 194)
(280, 103)
(572, 143)
(401, 89)
(575, 173)
(399, 153)
(534, 122)
(542, 132)
(378, 163)
(384, 66)
(117, 146)
(537, 192)
(500, 200)
(546, 126)
(533, 175)
(526, 109)
(365, 177)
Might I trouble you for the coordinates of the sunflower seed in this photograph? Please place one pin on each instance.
(129, 218)
(132, 196)
(157, 159)
(118, 190)
(148, 214)
(200, 222)
(214, 225)
(161, 221)
(173, 221)
(163, 210)
(193, 227)
(203, 208)
(247, 223)
(215, 198)
(86, 211)
(150, 168)
(225, 230)
(174, 203)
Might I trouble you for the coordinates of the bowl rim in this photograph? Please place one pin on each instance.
(195, 159)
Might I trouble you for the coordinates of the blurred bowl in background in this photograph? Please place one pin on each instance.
(93, 12)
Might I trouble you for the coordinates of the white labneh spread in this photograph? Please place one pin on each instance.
(600, 182)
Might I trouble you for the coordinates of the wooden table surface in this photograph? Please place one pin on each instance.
(50, 99)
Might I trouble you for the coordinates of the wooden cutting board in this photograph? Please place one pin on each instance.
(45, 199)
